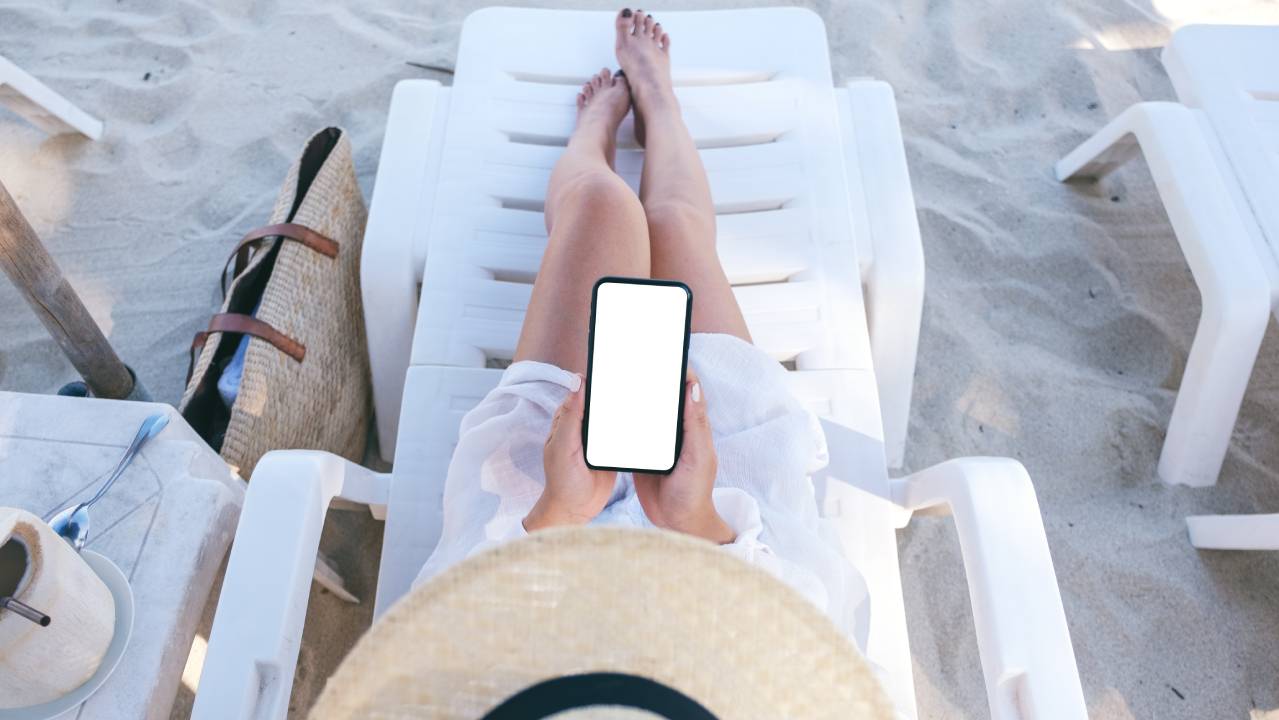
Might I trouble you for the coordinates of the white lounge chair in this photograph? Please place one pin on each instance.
(811, 185)
(1214, 158)
(778, 224)
(41, 106)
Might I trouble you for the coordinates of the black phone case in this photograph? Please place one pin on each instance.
(590, 361)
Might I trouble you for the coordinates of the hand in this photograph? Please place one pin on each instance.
(681, 501)
(574, 493)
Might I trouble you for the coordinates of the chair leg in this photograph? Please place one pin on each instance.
(327, 575)
(895, 306)
(1099, 155)
(1234, 532)
(389, 297)
(1212, 388)
(1215, 241)
(41, 106)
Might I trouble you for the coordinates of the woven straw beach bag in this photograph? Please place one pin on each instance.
(604, 622)
(295, 295)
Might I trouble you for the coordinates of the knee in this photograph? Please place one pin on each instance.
(679, 217)
(595, 193)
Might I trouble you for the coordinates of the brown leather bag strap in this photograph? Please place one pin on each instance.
(289, 231)
(235, 323)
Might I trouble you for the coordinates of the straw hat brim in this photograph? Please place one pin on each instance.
(657, 605)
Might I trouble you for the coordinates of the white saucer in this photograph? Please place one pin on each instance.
(118, 584)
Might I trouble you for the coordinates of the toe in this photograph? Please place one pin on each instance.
(581, 101)
(666, 41)
(624, 21)
(637, 22)
(657, 31)
(648, 25)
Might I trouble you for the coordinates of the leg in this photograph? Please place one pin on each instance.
(595, 226)
(673, 186)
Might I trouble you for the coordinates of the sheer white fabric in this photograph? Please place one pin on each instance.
(767, 446)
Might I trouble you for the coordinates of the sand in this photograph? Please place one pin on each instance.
(1055, 330)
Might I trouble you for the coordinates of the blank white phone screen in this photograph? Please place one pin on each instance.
(636, 375)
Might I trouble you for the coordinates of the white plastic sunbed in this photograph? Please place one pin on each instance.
(1215, 161)
(41, 106)
(811, 187)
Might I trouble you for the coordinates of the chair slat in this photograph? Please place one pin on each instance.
(483, 318)
(629, 161)
(746, 96)
(746, 260)
(551, 125)
(731, 191)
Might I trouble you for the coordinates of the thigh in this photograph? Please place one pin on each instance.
(598, 229)
(683, 248)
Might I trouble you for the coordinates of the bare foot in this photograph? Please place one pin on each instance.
(643, 51)
(601, 105)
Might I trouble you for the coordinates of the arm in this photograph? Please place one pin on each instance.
(1025, 647)
(253, 648)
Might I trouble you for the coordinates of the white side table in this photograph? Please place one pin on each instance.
(167, 523)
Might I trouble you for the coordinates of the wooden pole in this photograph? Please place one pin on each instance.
(55, 302)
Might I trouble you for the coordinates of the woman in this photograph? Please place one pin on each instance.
(742, 475)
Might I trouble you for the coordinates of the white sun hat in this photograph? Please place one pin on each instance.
(603, 622)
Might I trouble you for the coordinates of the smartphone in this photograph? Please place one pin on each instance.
(635, 374)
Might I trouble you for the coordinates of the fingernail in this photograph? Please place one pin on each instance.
(697, 392)
(626, 12)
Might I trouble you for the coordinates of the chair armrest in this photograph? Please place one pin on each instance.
(1026, 653)
(890, 250)
(392, 257)
(253, 648)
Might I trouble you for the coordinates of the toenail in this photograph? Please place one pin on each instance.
(619, 73)
(626, 12)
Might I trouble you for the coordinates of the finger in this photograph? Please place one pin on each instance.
(567, 409)
(697, 424)
(556, 422)
(576, 400)
(694, 393)
(563, 423)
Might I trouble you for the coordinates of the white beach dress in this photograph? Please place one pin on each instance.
(766, 443)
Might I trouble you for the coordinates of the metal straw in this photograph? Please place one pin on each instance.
(25, 611)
